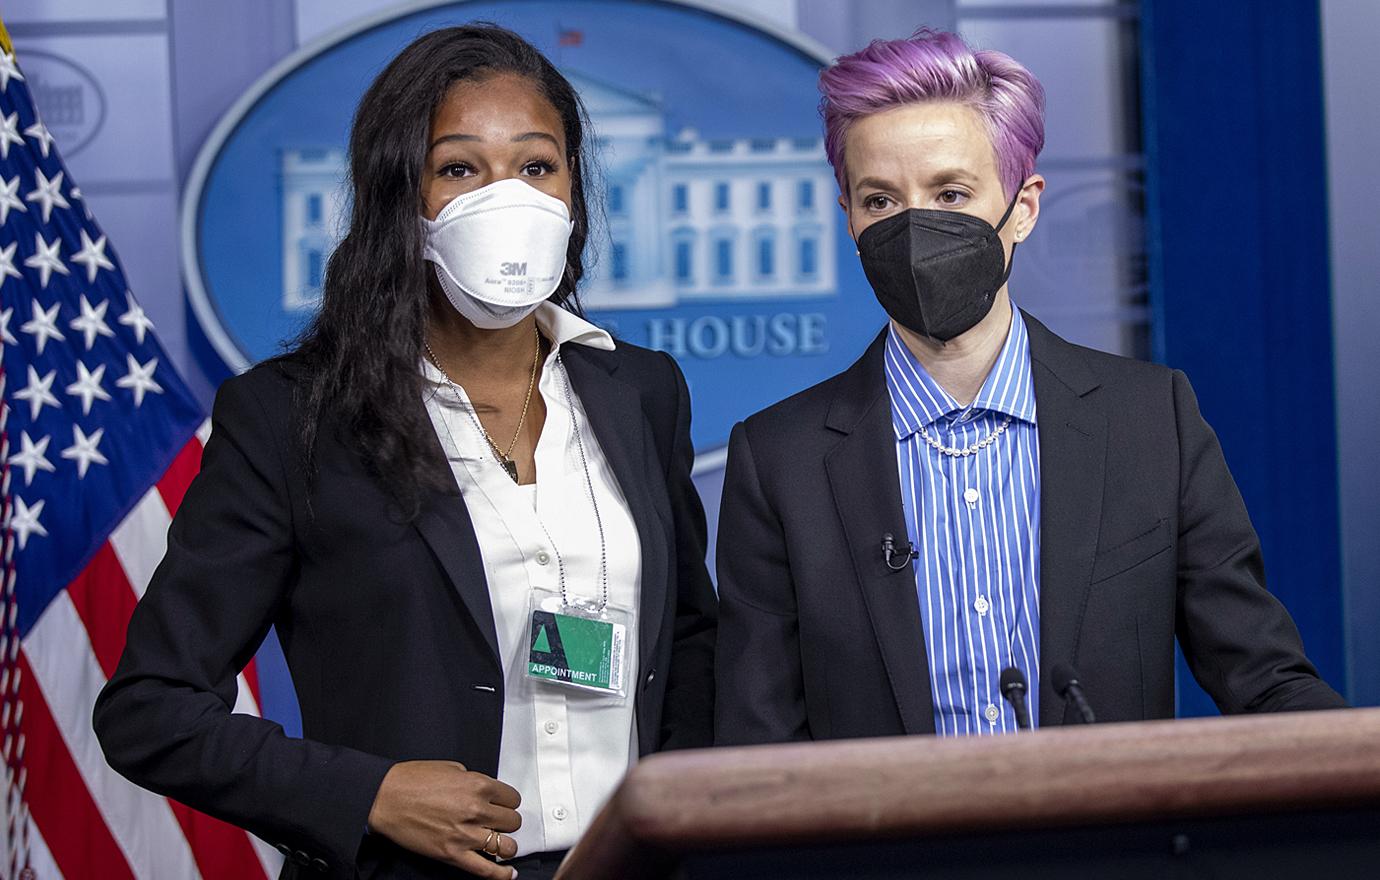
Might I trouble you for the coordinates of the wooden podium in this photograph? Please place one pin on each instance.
(1291, 795)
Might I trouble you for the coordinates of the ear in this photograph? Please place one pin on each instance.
(843, 204)
(1028, 206)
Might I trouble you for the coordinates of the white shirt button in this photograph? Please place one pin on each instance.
(982, 606)
(970, 496)
(991, 713)
(543, 557)
(551, 727)
(559, 814)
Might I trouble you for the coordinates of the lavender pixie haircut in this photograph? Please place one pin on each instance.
(937, 66)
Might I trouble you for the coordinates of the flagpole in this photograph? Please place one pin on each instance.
(15, 812)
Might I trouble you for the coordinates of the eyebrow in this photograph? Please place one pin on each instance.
(944, 174)
(536, 135)
(525, 136)
(873, 183)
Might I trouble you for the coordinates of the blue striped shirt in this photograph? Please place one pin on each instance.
(975, 520)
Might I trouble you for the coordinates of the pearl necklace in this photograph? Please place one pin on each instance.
(955, 452)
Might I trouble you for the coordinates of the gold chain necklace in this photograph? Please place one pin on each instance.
(505, 459)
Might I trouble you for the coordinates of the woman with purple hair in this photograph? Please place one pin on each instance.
(932, 540)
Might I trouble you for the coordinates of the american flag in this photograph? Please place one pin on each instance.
(99, 439)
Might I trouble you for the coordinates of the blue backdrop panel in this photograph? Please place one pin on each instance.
(1237, 236)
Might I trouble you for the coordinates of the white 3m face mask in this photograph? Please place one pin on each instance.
(499, 251)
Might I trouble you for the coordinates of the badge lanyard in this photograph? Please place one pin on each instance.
(579, 643)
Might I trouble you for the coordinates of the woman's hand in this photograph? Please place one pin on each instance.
(445, 812)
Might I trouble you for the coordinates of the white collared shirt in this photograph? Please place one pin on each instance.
(563, 750)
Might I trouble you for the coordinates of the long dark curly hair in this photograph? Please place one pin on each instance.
(362, 349)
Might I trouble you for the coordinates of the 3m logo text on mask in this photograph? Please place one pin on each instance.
(512, 269)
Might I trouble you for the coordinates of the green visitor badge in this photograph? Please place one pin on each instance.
(577, 645)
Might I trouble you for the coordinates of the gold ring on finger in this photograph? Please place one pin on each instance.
(495, 840)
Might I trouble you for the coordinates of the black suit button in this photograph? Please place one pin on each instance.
(284, 849)
(302, 858)
(320, 865)
(651, 676)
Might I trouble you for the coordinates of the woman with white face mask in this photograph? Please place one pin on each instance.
(467, 510)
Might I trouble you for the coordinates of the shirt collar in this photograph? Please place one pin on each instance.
(562, 326)
(917, 400)
(559, 326)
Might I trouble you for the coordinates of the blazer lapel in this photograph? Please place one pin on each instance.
(1073, 458)
(445, 525)
(867, 493)
(615, 413)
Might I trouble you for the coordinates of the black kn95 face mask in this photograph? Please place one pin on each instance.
(936, 272)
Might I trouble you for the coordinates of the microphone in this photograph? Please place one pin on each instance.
(905, 552)
(1013, 691)
(1065, 681)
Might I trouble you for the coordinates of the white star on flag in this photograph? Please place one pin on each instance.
(24, 520)
(46, 261)
(48, 192)
(7, 269)
(39, 132)
(92, 255)
(43, 326)
(139, 379)
(9, 198)
(39, 392)
(83, 450)
(9, 134)
(5, 333)
(92, 321)
(88, 386)
(32, 458)
(8, 70)
(135, 319)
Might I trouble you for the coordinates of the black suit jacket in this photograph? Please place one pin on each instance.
(1143, 536)
(386, 624)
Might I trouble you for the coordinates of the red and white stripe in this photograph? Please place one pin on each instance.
(86, 820)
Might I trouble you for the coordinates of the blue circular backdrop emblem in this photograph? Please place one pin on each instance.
(721, 241)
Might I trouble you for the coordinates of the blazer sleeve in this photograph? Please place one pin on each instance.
(1238, 639)
(761, 690)
(165, 719)
(688, 709)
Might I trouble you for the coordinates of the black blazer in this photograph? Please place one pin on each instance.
(386, 624)
(1143, 536)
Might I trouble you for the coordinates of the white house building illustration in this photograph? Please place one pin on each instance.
(314, 212)
(688, 220)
